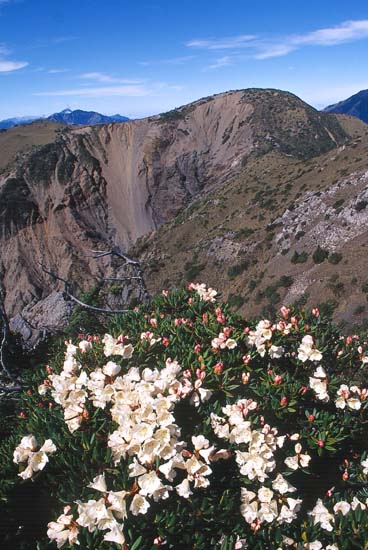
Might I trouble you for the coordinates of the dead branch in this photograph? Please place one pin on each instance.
(75, 299)
(100, 254)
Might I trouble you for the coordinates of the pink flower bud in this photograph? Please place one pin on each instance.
(48, 369)
(227, 331)
(285, 312)
(283, 401)
(320, 443)
(165, 292)
(187, 373)
(204, 318)
(345, 475)
(277, 380)
(153, 322)
(218, 368)
(315, 311)
(165, 341)
(190, 301)
(246, 359)
(197, 348)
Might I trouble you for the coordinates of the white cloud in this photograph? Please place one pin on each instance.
(9, 66)
(101, 77)
(109, 91)
(348, 31)
(222, 62)
(229, 43)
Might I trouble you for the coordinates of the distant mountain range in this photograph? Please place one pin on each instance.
(67, 116)
(356, 105)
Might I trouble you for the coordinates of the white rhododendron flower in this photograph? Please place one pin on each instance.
(115, 534)
(364, 464)
(111, 369)
(183, 489)
(322, 516)
(84, 346)
(139, 505)
(300, 460)
(307, 350)
(281, 485)
(318, 383)
(342, 506)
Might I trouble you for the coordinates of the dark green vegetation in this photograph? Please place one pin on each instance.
(211, 518)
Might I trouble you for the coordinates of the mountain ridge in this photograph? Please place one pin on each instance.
(355, 105)
(67, 116)
(169, 189)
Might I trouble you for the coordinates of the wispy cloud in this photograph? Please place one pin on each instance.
(6, 65)
(57, 71)
(101, 77)
(261, 47)
(108, 91)
(224, 61)
(349, 31)
(10, 66)
(229, 43)
(170, 61)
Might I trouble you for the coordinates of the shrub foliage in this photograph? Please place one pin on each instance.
(189, 427)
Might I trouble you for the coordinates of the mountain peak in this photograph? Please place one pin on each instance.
(356, 105)
(77, 117)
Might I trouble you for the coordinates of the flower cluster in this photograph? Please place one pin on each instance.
(206, 294)
(203, 426)
(36, 457)
(307, 350)
(346, 397)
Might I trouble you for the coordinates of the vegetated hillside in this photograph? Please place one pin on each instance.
(197, 180)
(284, 230)
(356, 105)
(23, 138)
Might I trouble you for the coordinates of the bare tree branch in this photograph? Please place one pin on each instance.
(100, 254)
(76, 300)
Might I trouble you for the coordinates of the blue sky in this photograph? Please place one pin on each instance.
(143, 57)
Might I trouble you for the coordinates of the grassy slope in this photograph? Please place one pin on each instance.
(22, 138)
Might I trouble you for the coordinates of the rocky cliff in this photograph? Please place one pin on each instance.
(98, 187)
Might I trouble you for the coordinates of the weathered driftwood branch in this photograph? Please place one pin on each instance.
(100, 254)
